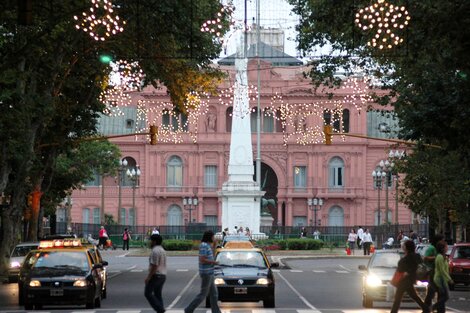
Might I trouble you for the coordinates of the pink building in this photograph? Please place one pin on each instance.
(296, 165)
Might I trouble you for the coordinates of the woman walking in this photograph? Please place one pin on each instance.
(352, 237)
(441, 277)
(408, 265)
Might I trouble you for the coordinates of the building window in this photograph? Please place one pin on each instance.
(96, 216)
(300, 177)
(175, 216)
(253, 119)
(336, 173)
(336, 216)
(228, 119)
(95, 181)
(210, 220)
(300, 221)
(174, 174)
(131, 217)
(210, 177)
(268, 123)
(131, 164)
(130, 123)
(175, 121)
(346, 121)
(86, 216)
(340, 122)
(122, 217)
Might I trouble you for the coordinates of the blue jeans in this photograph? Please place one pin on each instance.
(207, 288)
(153, 292)
(442, 296)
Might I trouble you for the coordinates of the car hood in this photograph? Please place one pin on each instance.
(57, 273)
(241, 272)
(461, 262)
(382, 273)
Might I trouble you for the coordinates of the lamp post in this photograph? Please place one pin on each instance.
(378, 177)
(387, 168)
(315, 205)
(122, 166)
(134, 176)
(395, 156)
(188, 203)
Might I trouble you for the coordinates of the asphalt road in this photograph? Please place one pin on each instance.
(327, 285)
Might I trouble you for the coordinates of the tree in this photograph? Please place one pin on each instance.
(51, 78)
(426, 76)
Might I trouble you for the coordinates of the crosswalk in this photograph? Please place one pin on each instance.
(136, 270)
(223, 310)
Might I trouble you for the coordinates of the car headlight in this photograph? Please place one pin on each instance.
(15, 264)
(262, 281)
(373, 281)
(35, 283)
(219, 281)
(80, 283)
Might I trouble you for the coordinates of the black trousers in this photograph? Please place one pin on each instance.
(125, 244)
(406, 285)
(366, 246)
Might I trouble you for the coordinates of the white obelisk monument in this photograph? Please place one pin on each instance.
(240, 194)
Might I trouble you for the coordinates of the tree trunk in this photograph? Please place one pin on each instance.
(10, 236)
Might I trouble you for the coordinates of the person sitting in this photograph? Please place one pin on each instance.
(389, 243)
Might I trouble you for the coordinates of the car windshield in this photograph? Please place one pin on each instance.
(20, 251)
(58, 260)
(241, 259)
(385, 260)
(462, 253)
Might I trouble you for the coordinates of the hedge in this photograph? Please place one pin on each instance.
(290, 244)
(177, 245)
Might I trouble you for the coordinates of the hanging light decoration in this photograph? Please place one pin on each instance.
(100, 22)
(359, 95)
(226, 97)
(214, 26)
(386, 20)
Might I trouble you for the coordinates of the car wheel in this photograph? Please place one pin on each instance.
(208, 302)
(28, 306)
(90, 305)
(98, 302)
(269, 302)
(367, 302)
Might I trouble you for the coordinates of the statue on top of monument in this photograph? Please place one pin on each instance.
(265, 211)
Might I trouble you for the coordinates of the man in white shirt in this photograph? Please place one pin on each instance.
(366, 242)
(155, 231)
(157, 274)
(360, 234)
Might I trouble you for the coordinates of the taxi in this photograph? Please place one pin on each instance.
(59, 272)
(98, 259)
(244, 275)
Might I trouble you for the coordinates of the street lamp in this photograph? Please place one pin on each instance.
(315, 205)
(122, 166)
(394, 156)
(378, 177)
(387, 168)
(188, 203)
(134, 176)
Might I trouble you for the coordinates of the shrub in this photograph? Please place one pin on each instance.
(272, 244)
(304, 244)
(177, 245)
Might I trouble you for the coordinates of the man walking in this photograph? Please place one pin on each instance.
(157, 274)
(360, 234)
(429, 260)
(126, 236)
(206, 272)
(366, 241)
(103, 237)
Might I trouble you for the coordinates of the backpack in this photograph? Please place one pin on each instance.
(125, 236)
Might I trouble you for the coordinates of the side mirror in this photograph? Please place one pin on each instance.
(104, 263)
(275, 264)
(362, 267)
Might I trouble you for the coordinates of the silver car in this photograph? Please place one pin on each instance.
(17, 257)
(377, 275)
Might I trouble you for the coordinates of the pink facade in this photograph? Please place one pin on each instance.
(339, 174)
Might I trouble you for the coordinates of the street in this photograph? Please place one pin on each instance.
(303, 286)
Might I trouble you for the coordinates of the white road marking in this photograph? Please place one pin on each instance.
(182, 270)
(318, 271)
(296, 271)
(308, 311)
(178, 297)
(122, 255)
(130, 311)
(300, 296)
(342, 272)
(344, 267)
(276, 271)
(136, 271)
(262, 311)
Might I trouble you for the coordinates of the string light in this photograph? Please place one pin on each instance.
(100, 22)
(226, 97)
(387, 20)
(215, 26)
(359, 97)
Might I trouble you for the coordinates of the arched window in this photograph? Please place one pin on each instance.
(175, 121)
(279, 126)
(95, 181)
(174, 172)
(253, 119)
(336, 173)
(175, 216)
(122, 216)
(96, 216)
(132, 217)
(228, 119)
(131, 164)
(382, 217)
(86, 216)
(336, 216)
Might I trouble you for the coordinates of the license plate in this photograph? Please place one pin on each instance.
(240, 291)
(57, 292)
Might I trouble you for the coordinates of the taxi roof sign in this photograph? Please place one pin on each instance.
(60, 243)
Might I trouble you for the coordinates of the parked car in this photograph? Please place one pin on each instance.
(17, 257)
(459, 264)
(244, 275)
(377, 275)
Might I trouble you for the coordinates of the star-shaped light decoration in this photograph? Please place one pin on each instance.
(100, 21)
(386, 20)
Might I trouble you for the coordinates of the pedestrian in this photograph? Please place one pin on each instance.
(126, 236)
(360, 234)
(155, 231)
(441, 277)
(429, 260)
(352, 237)
(157, 274)
(303, 233)
(414, 236)
(389, 243)
(248, 232)
(408, 265)
(224, 233)
(366, 241)
(316, 234)
(400, 236)
(206, 272)
(235, 230)
(102, 237)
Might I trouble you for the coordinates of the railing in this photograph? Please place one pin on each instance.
(333, 235)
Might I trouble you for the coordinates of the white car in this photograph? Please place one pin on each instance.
(17, 257)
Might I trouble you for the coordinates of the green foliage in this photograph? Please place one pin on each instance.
(290, 244)
(177, 245)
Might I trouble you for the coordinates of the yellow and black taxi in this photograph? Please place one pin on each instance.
(244, 275)
(59, 272)
(98, 259)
